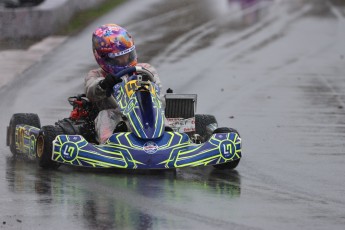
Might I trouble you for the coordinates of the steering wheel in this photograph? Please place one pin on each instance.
(139, 70)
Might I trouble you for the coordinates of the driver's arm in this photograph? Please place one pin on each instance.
(92, 89)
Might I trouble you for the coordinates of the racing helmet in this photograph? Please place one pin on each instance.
(113, 48)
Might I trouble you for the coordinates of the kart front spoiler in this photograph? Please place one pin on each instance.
(125, 150)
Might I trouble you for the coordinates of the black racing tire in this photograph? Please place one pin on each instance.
(226, 130)
(201, 123)
(228, 165)
(231, 164)
(31, 119)
(44, 147)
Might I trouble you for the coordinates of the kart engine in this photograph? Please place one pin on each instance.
(81, 120)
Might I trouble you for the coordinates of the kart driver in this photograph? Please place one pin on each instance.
(114, 50)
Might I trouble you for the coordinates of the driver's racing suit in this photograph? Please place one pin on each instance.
(109, 115)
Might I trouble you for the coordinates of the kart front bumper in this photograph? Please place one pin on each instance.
(124, 150)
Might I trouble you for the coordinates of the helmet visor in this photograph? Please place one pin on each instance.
(121, 60)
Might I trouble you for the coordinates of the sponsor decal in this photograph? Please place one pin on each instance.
(69, 151)
(114, 55)
(182, 125)
(75, 138)
(227, 148)
(150, 147)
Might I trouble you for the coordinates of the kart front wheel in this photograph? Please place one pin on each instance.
(45, 147)
(31, 119)
(228, 165)
(231, 164)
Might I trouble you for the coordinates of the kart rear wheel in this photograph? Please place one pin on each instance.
(231, 164)
(45, 147)
(31, 119)
(204, 125)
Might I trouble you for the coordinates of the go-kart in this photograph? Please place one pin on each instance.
(151, 136)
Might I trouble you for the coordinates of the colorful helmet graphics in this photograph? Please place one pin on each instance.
(113, 48)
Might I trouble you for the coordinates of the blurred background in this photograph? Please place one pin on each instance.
(272, 69)
(20, 3)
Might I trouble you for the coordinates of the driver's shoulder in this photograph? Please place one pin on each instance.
(99, 72)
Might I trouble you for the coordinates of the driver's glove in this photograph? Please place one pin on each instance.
(109, 81)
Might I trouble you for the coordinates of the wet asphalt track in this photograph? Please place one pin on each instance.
(272, 69)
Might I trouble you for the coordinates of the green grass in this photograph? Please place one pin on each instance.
(83, 18)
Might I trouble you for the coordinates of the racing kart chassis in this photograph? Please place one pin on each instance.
(187, 140)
